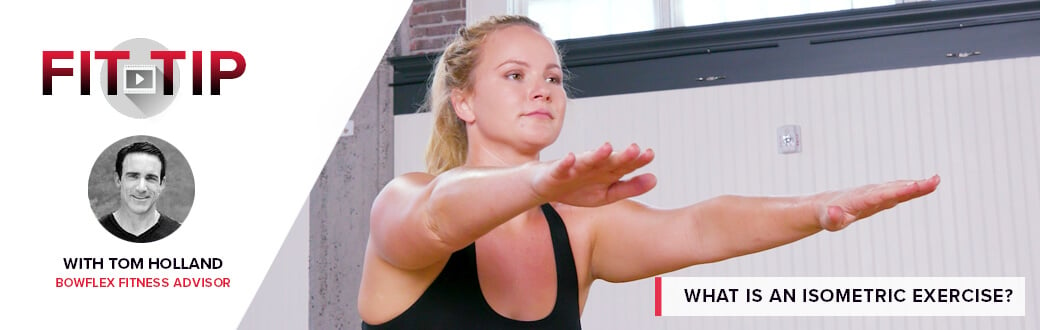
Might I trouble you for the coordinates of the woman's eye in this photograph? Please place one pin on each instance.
(514, 76)
(553, 80)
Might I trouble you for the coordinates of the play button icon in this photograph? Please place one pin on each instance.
(139, 79)
(136, 86)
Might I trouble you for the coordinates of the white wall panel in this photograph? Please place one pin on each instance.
(411, 133)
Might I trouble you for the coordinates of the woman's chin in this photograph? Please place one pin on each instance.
(539, 142)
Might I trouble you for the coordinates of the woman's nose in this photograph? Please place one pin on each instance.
(542, 91)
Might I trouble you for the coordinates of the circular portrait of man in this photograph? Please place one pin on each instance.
(141, 189)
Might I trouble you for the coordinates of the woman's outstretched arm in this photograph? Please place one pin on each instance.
(419, 219)
(633, 241)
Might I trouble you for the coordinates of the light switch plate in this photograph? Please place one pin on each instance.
(789, 139)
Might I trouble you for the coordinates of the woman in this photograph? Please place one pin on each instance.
(495, 238)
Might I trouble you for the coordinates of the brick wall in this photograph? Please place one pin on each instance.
(433, 23)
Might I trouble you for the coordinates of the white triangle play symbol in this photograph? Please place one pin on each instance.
(139, 79)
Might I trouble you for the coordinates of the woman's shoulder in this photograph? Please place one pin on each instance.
(405, 185)
(413, 179)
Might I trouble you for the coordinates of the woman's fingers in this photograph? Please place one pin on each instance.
(865, 201)
(562, 168)
(893, 193)
(642, 159)
(590, 160)
(635, 186)
(594, 177)
(625, 161)
(918, 188)
(604, 160)
(626, 156)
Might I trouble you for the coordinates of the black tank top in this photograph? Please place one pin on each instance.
(454, 299)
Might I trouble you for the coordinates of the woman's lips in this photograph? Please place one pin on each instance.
(539, 114)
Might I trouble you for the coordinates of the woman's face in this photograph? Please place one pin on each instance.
(516, 97)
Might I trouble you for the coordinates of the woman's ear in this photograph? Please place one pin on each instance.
(460, 101)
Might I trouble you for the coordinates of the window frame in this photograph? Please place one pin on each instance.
(667, 13)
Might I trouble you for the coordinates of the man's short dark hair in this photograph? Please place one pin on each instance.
(142, 147)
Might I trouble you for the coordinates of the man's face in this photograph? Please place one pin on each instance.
(140, 184)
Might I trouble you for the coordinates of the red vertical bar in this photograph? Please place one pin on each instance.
(657, 296)
(196, 72)
(84, 72)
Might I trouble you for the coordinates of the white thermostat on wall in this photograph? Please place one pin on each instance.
(789, 139)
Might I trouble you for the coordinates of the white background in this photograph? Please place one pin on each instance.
(255, 150)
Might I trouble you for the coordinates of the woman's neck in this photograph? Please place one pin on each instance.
(481, 155)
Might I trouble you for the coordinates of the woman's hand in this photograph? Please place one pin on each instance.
(594, 177)
(836, 210)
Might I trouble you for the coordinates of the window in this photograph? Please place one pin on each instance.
(709, 12)
(567, 19)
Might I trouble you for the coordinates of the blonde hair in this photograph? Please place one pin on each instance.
(448, 143)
